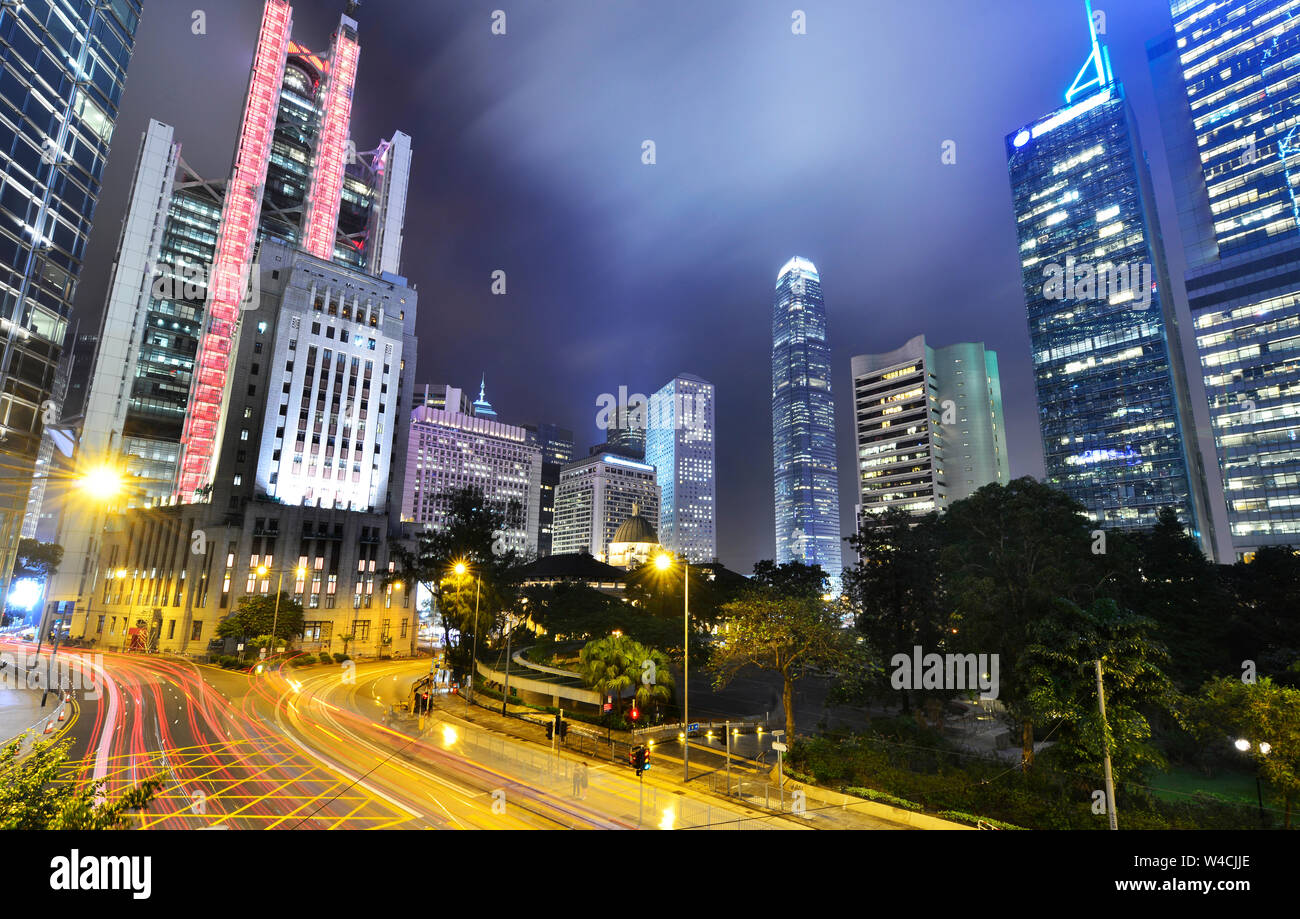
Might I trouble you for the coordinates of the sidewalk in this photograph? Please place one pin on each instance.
(669, 769)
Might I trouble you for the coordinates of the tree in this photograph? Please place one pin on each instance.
(1061, 670)
(781, 632)
(1010, 552)
(32, 797)
(471, 535)
(1261, 712)
(1182, 591)
(38, 559)
(656, 683)
(255, 614)
(895, 587)
(1266, 589)
(791, 579)
(611, 665)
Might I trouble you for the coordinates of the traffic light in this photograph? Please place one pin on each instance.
(645, 759)
(635, 713)
(550, 729)
(640, 759)
(564, 729)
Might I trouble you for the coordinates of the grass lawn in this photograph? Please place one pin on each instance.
(1180, 781)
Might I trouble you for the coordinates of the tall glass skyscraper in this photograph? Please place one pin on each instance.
(679, 443)
(1114, 410)
(64, 65)
(803, 423)
(1228, 99)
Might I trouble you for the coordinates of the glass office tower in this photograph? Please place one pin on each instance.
(1227, 93)
(1114, 410)
(64, 70)
(803, 423)
(680, 445)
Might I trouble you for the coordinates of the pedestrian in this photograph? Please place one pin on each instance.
(581, 778)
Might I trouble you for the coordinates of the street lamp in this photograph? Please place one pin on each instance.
(460, 568)
(664, 561)
(1264, 748)
(262, 572)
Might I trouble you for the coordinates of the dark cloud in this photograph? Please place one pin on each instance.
(528, 159)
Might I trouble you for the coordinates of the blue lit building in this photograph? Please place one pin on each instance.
(64, 71)
(1225, 83)
(680, 445)
(1114, 410)
(803, 423)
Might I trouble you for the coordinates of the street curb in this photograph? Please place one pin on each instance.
(913, 819)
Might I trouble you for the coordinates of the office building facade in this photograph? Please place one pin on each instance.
(65, 68)
(1115, 412)
(1226, 96)
(595, 496)
(804, 464)
(451, 450)
(680, 446)
(556, 444)
(929, 425)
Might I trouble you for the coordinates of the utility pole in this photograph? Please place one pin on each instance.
(1105, 742)
(686, 671)
(728, 759)
(505, 693)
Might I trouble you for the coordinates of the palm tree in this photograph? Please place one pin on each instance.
(610, 665)
(661, 687)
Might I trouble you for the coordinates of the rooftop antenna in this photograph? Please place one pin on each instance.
(1096, 67)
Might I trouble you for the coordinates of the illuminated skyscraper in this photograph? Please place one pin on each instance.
(187, 302)
(803, 423)
(595, 496)
(679, 443)
(1114, 410)
(1227, 93)
(64, 71)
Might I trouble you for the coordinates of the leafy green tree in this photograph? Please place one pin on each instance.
(38, 559)
(791, 579)
(782, 632)
(470, 537)
(1010, 552)
(33, 798)
(255, 614)
(1262, 712)
(1266, 589)
(895, 589)
(1183, 592)
(1061, 673)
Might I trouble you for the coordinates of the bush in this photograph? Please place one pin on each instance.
(325, 658)
(959, 817)
(881, 797)
(340, 657)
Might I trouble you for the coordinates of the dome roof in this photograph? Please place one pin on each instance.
(636, 529)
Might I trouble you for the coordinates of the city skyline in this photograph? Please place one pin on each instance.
(468, 186)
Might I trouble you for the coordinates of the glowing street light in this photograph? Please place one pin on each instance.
(102, 482)
(664, 561)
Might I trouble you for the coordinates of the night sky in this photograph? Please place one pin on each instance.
(528, 159)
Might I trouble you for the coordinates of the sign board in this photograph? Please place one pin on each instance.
(239, 647)
(693, 726)
(779, 747)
